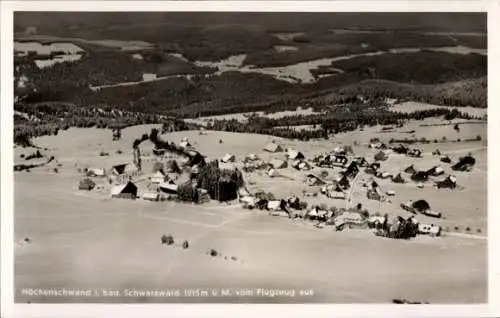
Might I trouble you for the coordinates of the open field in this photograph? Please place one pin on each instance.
(87, 240)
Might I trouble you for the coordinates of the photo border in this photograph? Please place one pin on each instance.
(9, 309)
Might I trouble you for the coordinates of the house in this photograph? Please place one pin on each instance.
(450, 183)
(464, 164)
(429, 229)
(401, 149)
(137, 57)
(227, 166)
(334, 191)
(251, 157)
(373, 168)
(151, 196)
(203, 196)
(383, 175)
(398, 179)
(415, 153)
(361, 161)
(313, 180)
(410, 169)
(352, 170)
(228, 158)
(373, 194)
(195, 159)
(301, 165)
(420, 176)
(86, 184)
(276, 205)
(445, 159)
(168, 187)
(158, 177)
(435, 171)
(343, 182)
(294, 154)
(172, 167)
(125, 168)
(273, 147)
(158, 152)
(185, 144)
(340, 159)
(96, 172)
(127, 190)
(278, 163)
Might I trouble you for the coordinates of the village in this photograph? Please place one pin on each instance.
(366, 188)
(177, 169)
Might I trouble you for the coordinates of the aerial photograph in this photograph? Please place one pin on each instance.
(250, 157)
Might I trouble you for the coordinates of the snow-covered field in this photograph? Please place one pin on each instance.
(88, 240)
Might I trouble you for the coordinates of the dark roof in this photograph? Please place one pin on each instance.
(421, 205)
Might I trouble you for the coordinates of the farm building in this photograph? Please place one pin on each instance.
(278, 163)
(273, 147)
(86, 184)
(228, 158)
(96, 172)
(450, 183)
(151, 196)
(127, 191)
(294, 154)
(169, 188)
(158, 177)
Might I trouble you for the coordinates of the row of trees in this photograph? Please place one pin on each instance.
(334, 122)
